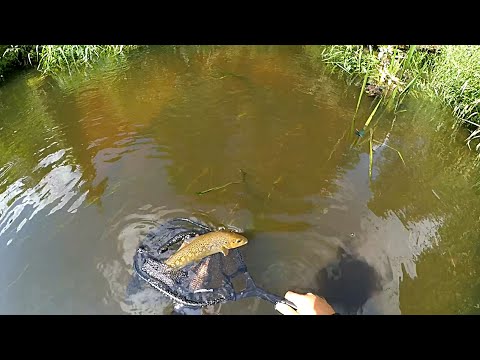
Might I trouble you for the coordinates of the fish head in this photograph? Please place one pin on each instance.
(235, 240)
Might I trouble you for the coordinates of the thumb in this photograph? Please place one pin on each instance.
(285, 309)
(297, 299)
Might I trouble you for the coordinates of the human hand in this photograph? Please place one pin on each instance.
(308, 304)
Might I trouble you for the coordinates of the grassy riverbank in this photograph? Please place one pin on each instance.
(50, 59)
(449, 73)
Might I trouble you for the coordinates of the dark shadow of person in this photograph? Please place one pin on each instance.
(347, 284)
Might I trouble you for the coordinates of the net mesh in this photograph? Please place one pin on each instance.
(214, 279)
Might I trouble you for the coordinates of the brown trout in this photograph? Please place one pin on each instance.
(205, 245)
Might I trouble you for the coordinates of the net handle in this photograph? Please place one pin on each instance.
(253, 290)
(274, 299)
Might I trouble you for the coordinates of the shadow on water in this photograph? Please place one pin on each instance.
(348, 283)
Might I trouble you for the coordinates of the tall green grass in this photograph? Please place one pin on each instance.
(448, 73)
(15, 56)
(394, 69)
(455, 80)
(55, 58)
(52, 59)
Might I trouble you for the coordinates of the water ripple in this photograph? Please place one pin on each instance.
(56, 188)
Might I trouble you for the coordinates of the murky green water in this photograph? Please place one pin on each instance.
(90, 164)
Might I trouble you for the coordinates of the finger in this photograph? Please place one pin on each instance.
(285, 309)
(315, 295)
(297, 299)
